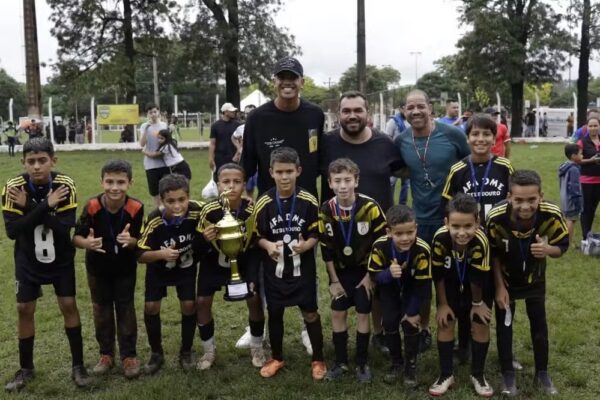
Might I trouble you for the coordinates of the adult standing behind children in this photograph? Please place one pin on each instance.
(590, 174)
(220, 148)
(155, 167)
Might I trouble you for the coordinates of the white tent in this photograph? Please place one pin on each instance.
(256, 98)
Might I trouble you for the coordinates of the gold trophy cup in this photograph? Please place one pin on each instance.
(230, 239)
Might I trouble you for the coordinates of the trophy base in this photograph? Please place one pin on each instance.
(236, 291)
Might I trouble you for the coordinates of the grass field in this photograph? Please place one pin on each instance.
(574, 325)
(187, 135)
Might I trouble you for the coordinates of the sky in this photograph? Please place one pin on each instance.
(324, 29)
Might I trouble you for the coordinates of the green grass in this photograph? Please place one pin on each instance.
(571, 308)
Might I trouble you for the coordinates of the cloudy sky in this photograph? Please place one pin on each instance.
(324, 29)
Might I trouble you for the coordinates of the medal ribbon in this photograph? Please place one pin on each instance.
(461, 269)
(395, 255)
(110, 225)
(347, 235)
(33, 188)
(423, 158)
(479, 188)
(523, 250)
(288, 228)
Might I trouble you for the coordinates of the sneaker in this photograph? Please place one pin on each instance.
(245, 340)
(306, 342)
(509, 384)
(393, 375)
(258, 356)
(80, 376)
(271, 367)
(155, 363)
(543, 380)
(517, 366)
(186, 360)
(207, 360)
(104, 365)
(441, 386)
(482, 387)
(131, 367)
(410, 377)
(318, 370)
(424, 340)
(378, 342)
(20, 379)
(336, 372)
(363, 374)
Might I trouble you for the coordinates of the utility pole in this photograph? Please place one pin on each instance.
(416, 54)
(32, 61)
(361, 51)
(155, 80)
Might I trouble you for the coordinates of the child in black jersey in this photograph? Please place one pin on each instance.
(169, 248)
(460, 266)
(523, 231)
(39, 209)
(287, 229)
(349, 223)
(215, 269)
(108, 229)
(400, 265)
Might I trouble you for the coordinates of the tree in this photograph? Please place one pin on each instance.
(249, 42)
(512, 41)
(315, 93)
(10, 88)
(378, 79)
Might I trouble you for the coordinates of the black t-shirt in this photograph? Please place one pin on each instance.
(378, 158)
(221, 131)
(42, 235)
(268, 128)
(117, 260)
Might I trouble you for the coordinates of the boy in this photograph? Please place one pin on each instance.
(571, 199)
(39, 209)
(523, 231)
(483, 176)
(168, 246)
(155, 167)
(108, 229)
(215, 269)
(287, 228)
(400, 266)
(349, 223)
(460, 266)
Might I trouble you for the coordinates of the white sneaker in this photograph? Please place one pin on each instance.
(306, 342)
(441, 386)
(258, 356)
(207, 360)
(483, 388)
(244, 341)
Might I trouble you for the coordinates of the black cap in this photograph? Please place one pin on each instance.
(491, 110)
(288, 64)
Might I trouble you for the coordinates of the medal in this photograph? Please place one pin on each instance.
(462, 287)
(524, 265)
(461, 269)
(346, 233)
(478, 188)
(347, 251)
(287, 238)
(116, 249)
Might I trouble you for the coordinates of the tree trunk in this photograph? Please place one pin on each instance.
(516, 125)
(584, 66)
(232, 55)
(361, 52)
(130, 88)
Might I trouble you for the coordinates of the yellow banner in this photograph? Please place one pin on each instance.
(118, 114)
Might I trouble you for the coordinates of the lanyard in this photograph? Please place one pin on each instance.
(479, 188)
(110, 225)
(346, 234)
(395, 255)
(461, 269)
(288, 227)
(423, 158)
(524, 250)
(174, 221)
(34, 189)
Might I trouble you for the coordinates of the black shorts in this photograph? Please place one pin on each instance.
(29, 289)
(305, 298)
(183, 168)
(461, 302)
(157, 281)
(108, 289)
(354, 297)
(153, 177)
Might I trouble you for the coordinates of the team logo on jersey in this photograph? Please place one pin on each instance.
(362, 228)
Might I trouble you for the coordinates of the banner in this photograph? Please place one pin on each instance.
(118, 114)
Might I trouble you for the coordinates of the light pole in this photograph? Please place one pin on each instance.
(416, 54)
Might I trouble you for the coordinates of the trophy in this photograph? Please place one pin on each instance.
(230, 239)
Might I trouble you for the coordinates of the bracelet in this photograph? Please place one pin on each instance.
(477, 303)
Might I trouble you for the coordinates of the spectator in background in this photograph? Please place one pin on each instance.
(220, 149)
(582, 131)
(88, 131)
(11, 138)
(60, 133)
(502, 146)
(79, 132)
(590, 174)
(155, 167)
(451, 117)
(529, 123)
(174, 127)
(127, 135)
(570, 124)
(395, 126)
(72, 130)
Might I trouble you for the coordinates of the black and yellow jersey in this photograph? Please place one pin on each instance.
(159, 233)
(368, 224)
(42, 234)
(495, 186)
(525, 274)
(471, 265)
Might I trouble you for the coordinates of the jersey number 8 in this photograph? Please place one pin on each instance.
(43, 239)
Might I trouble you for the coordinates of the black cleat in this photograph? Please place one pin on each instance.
(80, 376)
(542, 379)
(378, 341)
(20, 379)
(155, 363)
(186, 361)
(509, 384)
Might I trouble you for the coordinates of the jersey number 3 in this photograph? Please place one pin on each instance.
(43, 238)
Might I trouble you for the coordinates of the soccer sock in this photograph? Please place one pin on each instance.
(362, 348)
(445, 354)
(315, 334)
(394, 343)
(188, 328)
(411, 344)
(478, 354)
(276, 333)
(153, 329)
(76, 344)
(207, 335)
(340, 345)
(257, 331)
(26, 352)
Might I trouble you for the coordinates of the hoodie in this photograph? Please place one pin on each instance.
(571, 201)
